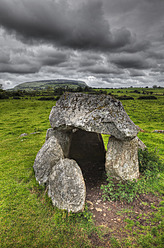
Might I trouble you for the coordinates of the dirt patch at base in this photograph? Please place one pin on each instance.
(113, 217)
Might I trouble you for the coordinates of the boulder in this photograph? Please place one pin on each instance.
(50, 153)
(100, 114)
(122, 159)
(141, 145)
(63, 137)
(66, 186)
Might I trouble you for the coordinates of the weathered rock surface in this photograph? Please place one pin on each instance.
(122, 159)
(141, 145)
(100, 114)
(50, 153)
(66, 186)
(64, 139)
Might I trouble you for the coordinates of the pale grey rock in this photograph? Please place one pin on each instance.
(66, 186)
(100, 114)
(122, 159)
(64, 139)
(141, 145)
(23, 135)
(50, 153)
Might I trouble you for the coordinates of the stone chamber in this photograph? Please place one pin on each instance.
(73, 155)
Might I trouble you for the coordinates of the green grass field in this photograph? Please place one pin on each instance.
(27, 217)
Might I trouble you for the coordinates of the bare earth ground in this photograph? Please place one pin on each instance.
(111, 215)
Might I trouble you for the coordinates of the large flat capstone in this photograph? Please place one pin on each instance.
(100, 114)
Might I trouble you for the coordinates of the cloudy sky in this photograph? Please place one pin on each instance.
(106, 43)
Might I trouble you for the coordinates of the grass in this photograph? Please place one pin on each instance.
(151, 170)
(27, 217)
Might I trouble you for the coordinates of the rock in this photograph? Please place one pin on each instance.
(158, 131)
(63, 137)
(66, 186)
(89, 202)
(35, 133)
(98, 209)
(100, 114)
(122, 159)
(141, 145)
(23, 135)
(50, 153)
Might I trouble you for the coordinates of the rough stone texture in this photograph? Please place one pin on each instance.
(141, 145)
(122, 159)
(50, 153)
(100, 114)
(66, 186)
(63, 137)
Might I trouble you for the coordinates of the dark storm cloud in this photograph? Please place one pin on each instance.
(52, 58)
(83, 27)
(134, 61)
(101, 69)
(140, 15)
(136, 73)
(18, 69)
(89, 59)
(103, 42)
(18, 61)
(4, 57)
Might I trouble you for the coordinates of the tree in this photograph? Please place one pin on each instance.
(155, 86)
(1, 87)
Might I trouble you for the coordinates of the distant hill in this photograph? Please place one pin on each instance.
(45, 84)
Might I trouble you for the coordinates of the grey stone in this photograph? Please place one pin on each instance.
(66, 186)
(141, 145)
(50, 153)
(64, 139)
(122, 159)
(23, 135)
(100, 114)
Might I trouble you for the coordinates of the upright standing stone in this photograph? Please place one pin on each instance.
(63, 137)
(50, 153)
(122, 159)
(66, 186)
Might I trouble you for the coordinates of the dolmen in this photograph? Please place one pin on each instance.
(77, 122)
